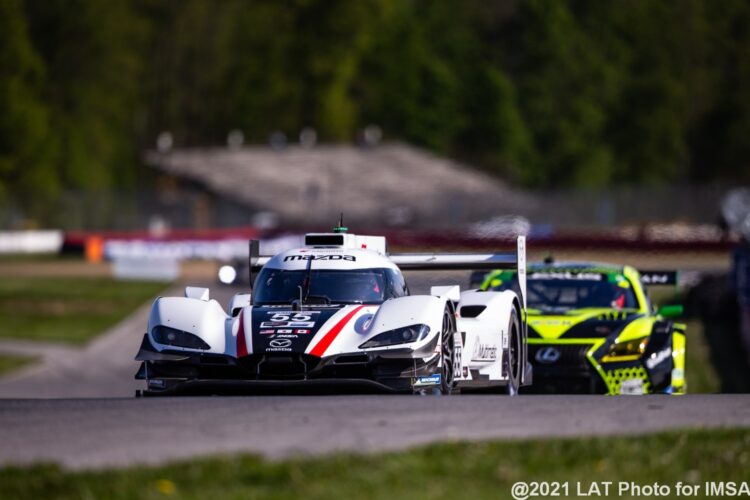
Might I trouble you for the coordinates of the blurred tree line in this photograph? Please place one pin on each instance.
(543, 92)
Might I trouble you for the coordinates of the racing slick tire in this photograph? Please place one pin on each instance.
(512, 361)
(448, 353)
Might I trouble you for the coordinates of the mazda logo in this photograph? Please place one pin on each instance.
(548, 355)
(280, 343)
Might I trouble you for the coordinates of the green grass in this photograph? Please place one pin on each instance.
(700, 373)
(10, 363)
(459, 470)
(38, 257)
(69, 310)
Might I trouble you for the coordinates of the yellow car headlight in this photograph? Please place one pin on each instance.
(626, 351)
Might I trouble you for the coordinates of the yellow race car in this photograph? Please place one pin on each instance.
(592, 328)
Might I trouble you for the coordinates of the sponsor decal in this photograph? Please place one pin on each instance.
(658, 357)
(363, 323)
(656, 279)
(551, 322)
(484, 352)
(659, 277)
(566, 275)
(350, 258)
(632, 387)
(157, 383)
(548, 355)
(287, 324)
(267, 332)
(424, 381)
(458, 347)
(280, 343)
(301, 331)
(284, 330)
(290, 319)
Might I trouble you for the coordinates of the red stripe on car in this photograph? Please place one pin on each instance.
(241, 342)
(329, 337)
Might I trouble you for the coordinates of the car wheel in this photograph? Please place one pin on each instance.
(513, 360)
(448, 353)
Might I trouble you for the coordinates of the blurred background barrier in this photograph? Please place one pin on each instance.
(31, 242)
(146, 268)
(229, 244)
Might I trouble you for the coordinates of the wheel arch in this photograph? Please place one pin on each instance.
(205, 319)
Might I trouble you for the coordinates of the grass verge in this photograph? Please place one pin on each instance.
(10, 363)
(700, 373)
(459, 470)
(69, 310)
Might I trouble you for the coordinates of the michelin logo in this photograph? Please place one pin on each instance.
(431, 380)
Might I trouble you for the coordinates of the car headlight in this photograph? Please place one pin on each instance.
(626, 351)
(172, 336)
(398, 336)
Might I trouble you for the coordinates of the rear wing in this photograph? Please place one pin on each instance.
(468, 261)
(659, 277)
(256, 261)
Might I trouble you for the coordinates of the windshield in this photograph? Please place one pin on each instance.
(554, 296)
(328, 286)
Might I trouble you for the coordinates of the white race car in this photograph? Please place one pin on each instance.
(338, 311)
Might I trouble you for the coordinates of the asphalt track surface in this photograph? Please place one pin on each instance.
(98, 433)
(85, 416)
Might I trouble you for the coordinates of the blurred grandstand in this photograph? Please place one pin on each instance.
(388, 186)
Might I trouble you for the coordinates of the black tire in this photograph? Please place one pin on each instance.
(513, 360)
(448, 353)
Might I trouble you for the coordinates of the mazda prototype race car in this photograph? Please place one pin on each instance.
(593, 329)
(338, 311)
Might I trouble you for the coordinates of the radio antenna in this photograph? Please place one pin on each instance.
(340, 228)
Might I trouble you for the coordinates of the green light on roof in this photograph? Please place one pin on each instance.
(340, 228)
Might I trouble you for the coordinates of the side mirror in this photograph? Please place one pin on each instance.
(196, 292)
(239, 301)
(671, 311)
